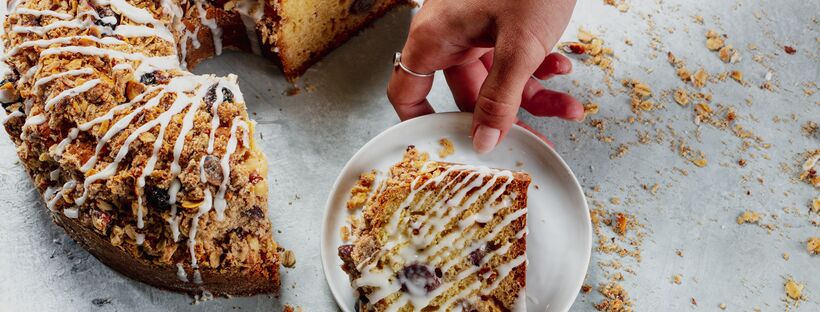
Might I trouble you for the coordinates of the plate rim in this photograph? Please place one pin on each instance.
(563, 165)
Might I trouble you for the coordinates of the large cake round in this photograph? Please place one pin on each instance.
(152, 169)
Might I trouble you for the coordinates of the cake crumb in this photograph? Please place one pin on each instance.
(290, 308)
(586, 288)
(786, 256)
(677, 279)
(694, 302)
(358, 194)
(447, 148)
(794, 290)
(590, 109)
(679, 253)
(616, 298)
(722, 306)
(615, 200)
(789, 50)
(748, 217)
(813, 245)
(681, 97)
(344, 232)
(289, 259)
(293, 91)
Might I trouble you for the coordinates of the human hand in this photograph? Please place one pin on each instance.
(489, 50)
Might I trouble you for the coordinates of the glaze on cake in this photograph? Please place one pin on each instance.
(441, 236)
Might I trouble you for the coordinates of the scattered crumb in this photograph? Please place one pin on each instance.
(615, 200)
(358, 194)
(447, 148)
(786, 256)
(677, 279)
(290, 308)
(288, 259)
(794, 290)
(722, 306)
(789, 50)
(809, 128)
(616, 299)
(809, 168)
(586, 288)
(292, 91)
(344, 232)
(681, 97)
(621, 223)
(590, 109)
(694, 302)
(813, 245)
(748, 217)
(679, 253)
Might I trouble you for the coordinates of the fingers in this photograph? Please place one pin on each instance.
(548, 103)
(553, 64)
(465, 82)
(515, 58)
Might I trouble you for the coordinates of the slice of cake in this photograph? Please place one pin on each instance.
(440, 236)
(293, 33)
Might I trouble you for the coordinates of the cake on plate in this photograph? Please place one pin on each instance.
(438, 236)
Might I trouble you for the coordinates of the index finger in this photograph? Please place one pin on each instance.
(406, 92)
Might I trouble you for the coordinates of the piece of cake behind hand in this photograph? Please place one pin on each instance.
(441, 236)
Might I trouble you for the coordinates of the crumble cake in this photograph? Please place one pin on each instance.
(150, 168)
(441, 236)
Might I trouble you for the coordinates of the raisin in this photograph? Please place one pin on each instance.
(108, 18)
(346, 252)
(213, 170)
(361, 6)
(148, 78)
(157, 198)
(210, 96)
(418, 279)
(255, 213)
(476, 256)
(227, 95)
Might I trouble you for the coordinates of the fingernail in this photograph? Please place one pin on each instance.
(485, 139)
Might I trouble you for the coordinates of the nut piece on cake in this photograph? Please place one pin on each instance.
(441, 236)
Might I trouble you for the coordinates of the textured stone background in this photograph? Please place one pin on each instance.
(309, 137)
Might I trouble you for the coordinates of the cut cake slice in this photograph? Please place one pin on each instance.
(441, 236)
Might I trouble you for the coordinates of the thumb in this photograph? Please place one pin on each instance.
(515, 58)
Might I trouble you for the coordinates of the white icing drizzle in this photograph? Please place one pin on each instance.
(42, 43)
(71, 93)
(216, 31)
(203, 209)
(219, 201)
(465, 185)
(60, 147)
(35, 120)
(41, 30)
(69, 73)
(181, 275)
(8, 117)
(33, 12)
(173, 220)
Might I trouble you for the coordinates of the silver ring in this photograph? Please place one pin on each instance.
(397, 63)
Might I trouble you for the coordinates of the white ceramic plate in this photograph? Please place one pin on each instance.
(559, 239)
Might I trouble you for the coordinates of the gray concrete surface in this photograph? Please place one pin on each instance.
(309, 137)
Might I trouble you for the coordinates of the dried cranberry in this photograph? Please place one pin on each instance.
(157, 198)
(418, 279)
(346, 252)
(255, 213)
(361, 6)
(254, 178)
(148, 78)
(108, 18)
(476, 256)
